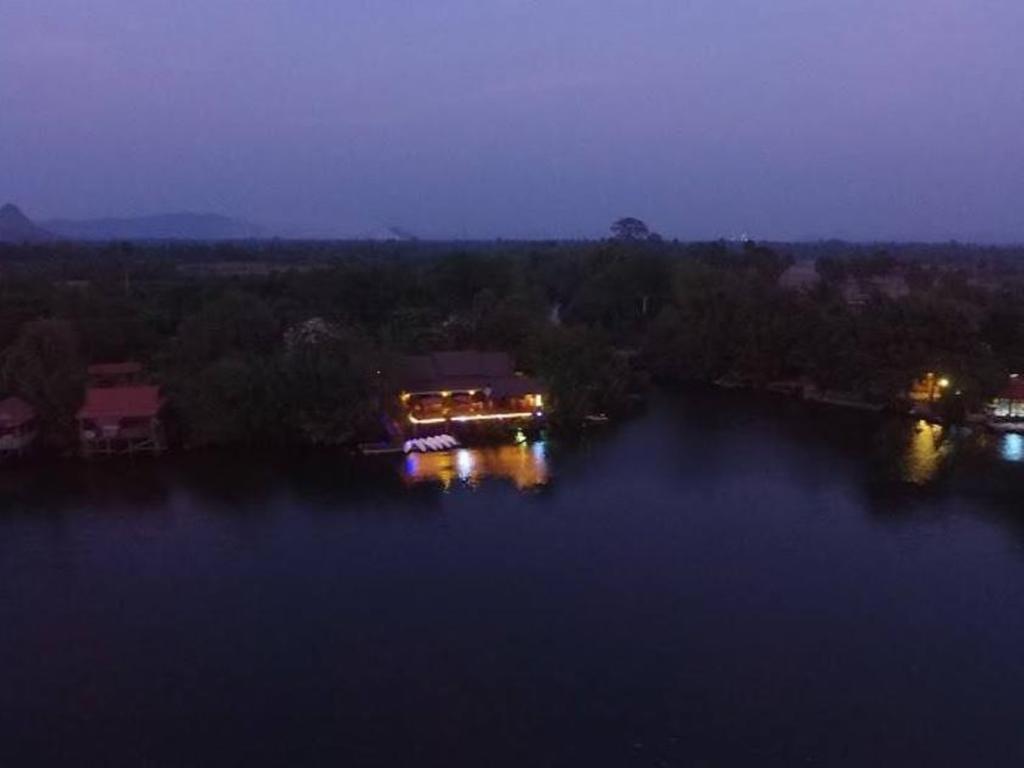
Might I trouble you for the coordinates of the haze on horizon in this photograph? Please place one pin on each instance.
(789, 119)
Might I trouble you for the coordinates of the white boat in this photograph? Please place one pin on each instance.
(428, 444)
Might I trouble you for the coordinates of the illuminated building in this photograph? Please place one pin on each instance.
(1007, 410)
(929, 388)
(466, 388)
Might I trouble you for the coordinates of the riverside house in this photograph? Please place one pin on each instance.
(125, 419)
(17, 426)
(447, 390)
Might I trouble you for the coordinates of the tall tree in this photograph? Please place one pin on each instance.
(44, 368)
(630, 229)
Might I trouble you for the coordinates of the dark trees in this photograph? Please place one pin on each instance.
(44, 368)
(630, 229)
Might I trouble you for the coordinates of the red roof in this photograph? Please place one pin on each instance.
(105, 403)
(1014, 390)
(14, 412)
(114, 369)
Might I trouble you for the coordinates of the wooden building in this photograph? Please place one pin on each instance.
(467, 387)
(121, 420)
(18, 427)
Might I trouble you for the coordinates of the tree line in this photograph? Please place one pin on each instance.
(302, 348)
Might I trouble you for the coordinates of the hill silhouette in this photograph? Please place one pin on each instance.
(16, 227)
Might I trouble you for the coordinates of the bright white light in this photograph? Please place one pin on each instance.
(464, 464)
(1013, 448)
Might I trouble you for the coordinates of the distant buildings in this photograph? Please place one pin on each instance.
(856, 291)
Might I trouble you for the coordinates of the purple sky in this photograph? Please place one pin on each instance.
(775, 118)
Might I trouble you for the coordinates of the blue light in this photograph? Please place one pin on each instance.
(1013, 448)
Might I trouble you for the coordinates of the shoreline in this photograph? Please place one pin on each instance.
(371, 449)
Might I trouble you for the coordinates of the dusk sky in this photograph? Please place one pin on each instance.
(864, 119)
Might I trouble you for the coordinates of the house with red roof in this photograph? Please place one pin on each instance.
(117, 420)
(18, 428)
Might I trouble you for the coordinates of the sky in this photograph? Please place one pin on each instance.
(775, 119)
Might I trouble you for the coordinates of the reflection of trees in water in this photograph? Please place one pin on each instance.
(322, 482)
(216, 483)
(115, 487)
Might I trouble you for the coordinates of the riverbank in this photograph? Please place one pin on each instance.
(494, 435)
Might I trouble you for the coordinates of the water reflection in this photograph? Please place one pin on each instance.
(1012, 448)
(926, 453)
(524, 464)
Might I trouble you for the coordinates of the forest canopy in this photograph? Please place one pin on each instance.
(270, 343)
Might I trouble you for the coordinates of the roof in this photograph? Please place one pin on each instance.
(516, 386)
(1014, 389)
(467, 364)
(454, 370)
(14, 411)
(136, 402)
(115, 369)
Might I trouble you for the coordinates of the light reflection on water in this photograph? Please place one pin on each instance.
(926, 453)
(1012, 448)
(525, 465)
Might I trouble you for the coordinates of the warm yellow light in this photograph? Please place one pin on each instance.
(405, 397)
(944, 383)
(493, 417)
(414, 420)
(539, 399)
(446, 394)
(475, 417)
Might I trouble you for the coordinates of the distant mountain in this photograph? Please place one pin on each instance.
(171, 226)
(16, 227)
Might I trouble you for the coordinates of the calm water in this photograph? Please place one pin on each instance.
(716, 582)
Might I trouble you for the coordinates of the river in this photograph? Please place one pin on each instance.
(717, 581)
